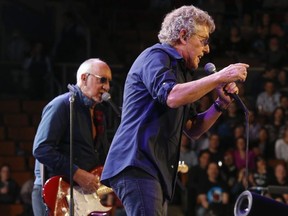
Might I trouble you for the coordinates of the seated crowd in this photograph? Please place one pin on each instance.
(224, 168)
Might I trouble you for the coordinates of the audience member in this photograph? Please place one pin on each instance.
(239, 131)
(26, 197)
(259, 44)
(38, 65)
(280, 179)
(282, 81)
(240, 185)
(263, 146)
(247, 29)
(265, 21)
(228, 169)
(276, 29)
(9, 189)
(216, 154)
(71, 44)
(284, 104)
(281, 147)
(235, 46)
(245, 96)
(213, 194)
(202, 143)
(187, 154)
(239, 154)
(227, 123)
(254, 126)
(269, 73)
(285, 197)
(275, 55)
(261, 175)
(276, 124)
(196, 175)
(17, 46)
(269, 99)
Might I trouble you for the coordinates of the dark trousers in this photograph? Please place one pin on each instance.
(140, 193)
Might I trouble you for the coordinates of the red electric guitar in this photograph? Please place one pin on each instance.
(56, 195)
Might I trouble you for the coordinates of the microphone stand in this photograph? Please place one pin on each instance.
(71, 100)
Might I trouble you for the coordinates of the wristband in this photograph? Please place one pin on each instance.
(218, 107)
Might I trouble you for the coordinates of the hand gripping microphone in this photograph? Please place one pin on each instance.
(210, 69)
(107, 97)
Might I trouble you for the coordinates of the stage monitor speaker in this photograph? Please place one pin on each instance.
(253, 204)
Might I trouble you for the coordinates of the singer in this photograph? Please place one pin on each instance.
(52, 141)
(158, 105)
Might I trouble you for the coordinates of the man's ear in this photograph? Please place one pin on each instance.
(183, 36)
(84, 77)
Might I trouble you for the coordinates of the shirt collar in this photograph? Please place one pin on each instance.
(86, 101)
(174, 54)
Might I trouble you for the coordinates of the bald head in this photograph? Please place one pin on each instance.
(93, 77)
(88, 66)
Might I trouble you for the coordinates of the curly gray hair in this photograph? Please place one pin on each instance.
(188, 18)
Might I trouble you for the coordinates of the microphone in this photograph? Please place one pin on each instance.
(71, 89)
(210, 69)
(107, 97)
(72, 93)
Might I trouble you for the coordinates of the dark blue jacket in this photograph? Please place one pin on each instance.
(52, 140)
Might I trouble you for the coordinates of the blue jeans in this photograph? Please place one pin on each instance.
(140, 193)
(39, 208)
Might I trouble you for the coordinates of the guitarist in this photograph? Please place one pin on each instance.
(90, 145)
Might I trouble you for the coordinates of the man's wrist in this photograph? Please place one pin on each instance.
(218, 107)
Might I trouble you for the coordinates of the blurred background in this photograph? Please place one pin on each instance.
(43, 42)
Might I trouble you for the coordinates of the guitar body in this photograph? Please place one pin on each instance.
(56, 195)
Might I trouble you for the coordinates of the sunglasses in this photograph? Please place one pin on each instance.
(103, 80)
